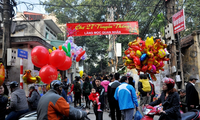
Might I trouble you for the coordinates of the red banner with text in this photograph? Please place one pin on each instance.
(102, 28)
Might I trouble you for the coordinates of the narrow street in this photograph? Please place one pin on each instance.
(105, 114)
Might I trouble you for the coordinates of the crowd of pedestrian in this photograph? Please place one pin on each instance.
(112, 93)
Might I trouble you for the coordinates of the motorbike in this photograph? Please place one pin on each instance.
(32, 115)
(150, 112)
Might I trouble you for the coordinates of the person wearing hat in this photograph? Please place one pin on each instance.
(192, 96)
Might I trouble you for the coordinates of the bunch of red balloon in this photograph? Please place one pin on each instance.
(49, 63)
(146, 56)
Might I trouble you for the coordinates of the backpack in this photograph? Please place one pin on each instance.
(146, 87)
(87, 88)
(77, 86)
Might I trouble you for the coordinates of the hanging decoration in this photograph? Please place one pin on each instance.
(28, 79)
(146, 56)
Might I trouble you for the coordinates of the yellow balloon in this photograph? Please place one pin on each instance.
(54, 48)
(149, 41)
(128, 61)
(81, 73)
(161, 53)
(50, 50)
(138, 53)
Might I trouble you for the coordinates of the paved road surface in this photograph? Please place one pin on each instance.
(105, 114)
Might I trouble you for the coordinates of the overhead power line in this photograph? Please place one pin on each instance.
(83, 5)
(33, 26)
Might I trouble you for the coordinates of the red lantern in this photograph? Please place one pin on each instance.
(57, 58)
(67, 64)
(39, 56)
(48, 73)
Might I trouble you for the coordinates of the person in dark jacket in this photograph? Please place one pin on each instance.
(52, 106)
(64, 95)
(33, 98)
(100, 89)
(192, 96)
(77, 92)
(18, 102)
(93, 83)
(3, 101)
(65, 85)
(86, 91)
(170, 101)
(113, 103)
(131, 81)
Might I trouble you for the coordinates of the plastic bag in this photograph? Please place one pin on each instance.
(69, 97)
(137, 115)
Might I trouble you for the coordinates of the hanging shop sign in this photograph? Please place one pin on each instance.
(179, 21)
(102, 28)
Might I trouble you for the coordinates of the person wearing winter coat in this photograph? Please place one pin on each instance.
(94, 97)
(113, 103)
(127, 99)
(100, 89)
(144, 88)
(86, 91)
(65, 84)
(18, 102)
(170, 101)
(131, 81)
(33, 98)
(192, 95)
(52, 106)
(105, 84)
(3, 101)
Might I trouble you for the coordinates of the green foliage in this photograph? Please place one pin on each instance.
(100, 67)
(192, 14)
(151, 15)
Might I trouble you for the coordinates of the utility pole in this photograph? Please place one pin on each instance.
(6, 30)
(112, 47)
(174, 47)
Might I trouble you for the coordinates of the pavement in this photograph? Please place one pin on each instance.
(105, 114)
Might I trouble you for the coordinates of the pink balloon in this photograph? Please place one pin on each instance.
(57, 58)
(67, 64)
(154, 68)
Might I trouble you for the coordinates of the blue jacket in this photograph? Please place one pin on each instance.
(126, 96)
(64, 95)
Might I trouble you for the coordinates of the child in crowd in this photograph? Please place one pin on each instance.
(94, 96)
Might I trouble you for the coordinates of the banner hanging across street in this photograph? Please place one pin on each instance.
(102, 28)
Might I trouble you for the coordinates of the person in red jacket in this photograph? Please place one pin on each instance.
(94, 96)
